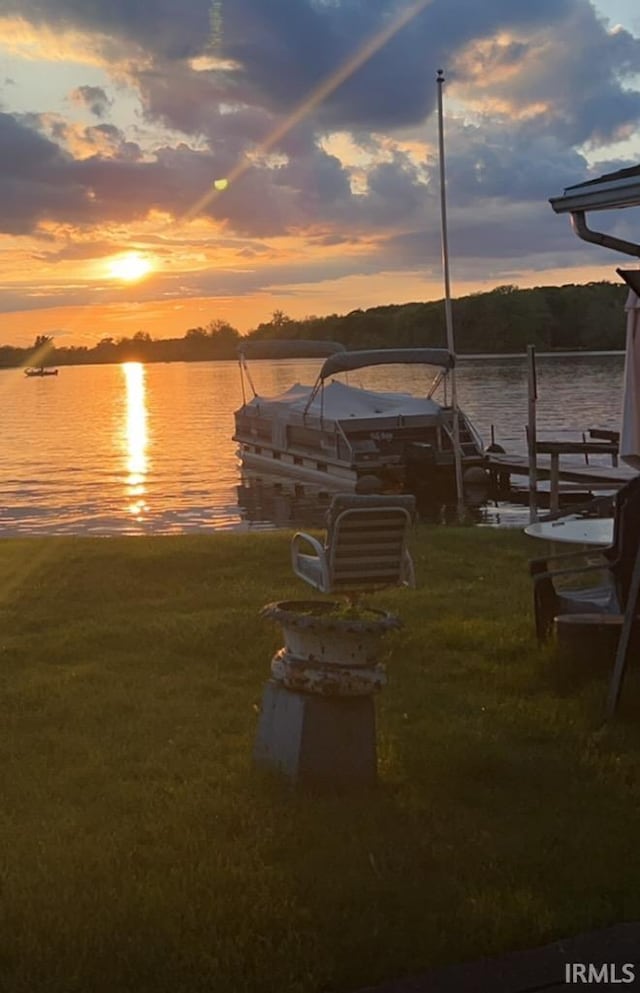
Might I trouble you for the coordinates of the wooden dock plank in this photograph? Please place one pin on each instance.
(597, 474)
(575, 448)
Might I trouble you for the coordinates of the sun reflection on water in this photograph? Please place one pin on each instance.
(136, 437)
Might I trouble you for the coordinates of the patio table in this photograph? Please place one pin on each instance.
(577, 530)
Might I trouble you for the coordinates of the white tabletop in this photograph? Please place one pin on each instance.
(580, 531)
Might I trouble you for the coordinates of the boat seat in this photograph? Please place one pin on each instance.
(365, 548)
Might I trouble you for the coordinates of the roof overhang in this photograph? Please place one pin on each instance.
(613, 191)
(603, 194)
(631, 278)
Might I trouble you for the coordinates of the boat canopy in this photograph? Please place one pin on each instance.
(347, 361)
(340, 402)
(279, 348)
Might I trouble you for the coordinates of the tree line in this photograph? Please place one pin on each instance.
(506, 319)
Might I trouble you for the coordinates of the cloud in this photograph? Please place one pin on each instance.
(534, 88)
(566, 79)
(92, 97)
(490, 160)
(35, 178)
(174, 28)
(117, 184)
(291, 46)
(78, 251)
(555, 53)
(80, 142)
(283, 49)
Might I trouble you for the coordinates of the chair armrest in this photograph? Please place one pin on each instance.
(568, 572)
(408, 571)
(297, 545)
(298, 539)
(541, 565)
(545, 597)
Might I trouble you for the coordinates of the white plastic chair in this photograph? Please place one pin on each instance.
(365, 548)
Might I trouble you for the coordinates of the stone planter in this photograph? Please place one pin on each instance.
(327, 650)
(317, 720)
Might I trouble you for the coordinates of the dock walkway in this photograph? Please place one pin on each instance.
(542, 462)
(592, 476)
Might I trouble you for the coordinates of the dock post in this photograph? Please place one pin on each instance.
(532, 392)
(554, 486)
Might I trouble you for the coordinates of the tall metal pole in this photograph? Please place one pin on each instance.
(457, 454)
(532, 438)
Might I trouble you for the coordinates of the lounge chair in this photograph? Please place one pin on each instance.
(365, 547)
(554, 594)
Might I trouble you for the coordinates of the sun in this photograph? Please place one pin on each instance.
(130, 267)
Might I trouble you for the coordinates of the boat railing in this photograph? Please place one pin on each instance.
(279, 348)
(473, 437)
(473, 431)
(344, 441)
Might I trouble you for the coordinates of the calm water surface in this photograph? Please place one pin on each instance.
(135, 449)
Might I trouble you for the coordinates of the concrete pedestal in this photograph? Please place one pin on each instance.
(317, 740)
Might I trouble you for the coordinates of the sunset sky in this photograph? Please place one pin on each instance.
(164, 163)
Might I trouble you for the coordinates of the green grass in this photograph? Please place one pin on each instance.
(139, 850)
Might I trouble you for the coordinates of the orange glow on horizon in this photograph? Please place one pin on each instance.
(86, 325)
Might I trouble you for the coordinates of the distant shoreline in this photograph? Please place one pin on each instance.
(557, 320)
(558, 354)
(460, 356)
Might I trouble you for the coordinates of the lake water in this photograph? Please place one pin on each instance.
(132, 449)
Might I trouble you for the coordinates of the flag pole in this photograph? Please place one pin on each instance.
(457, 455)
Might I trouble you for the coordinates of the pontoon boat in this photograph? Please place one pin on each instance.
(345, 437)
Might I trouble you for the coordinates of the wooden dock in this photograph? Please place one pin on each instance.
(542, 460)
(543, 463)
(591, 476)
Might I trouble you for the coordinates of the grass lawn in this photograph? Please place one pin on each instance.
(139, 850)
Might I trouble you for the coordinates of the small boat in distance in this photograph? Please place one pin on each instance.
(41, 372)
(345, 437)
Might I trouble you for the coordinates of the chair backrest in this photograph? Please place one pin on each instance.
(626, 537)
(366, 544)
